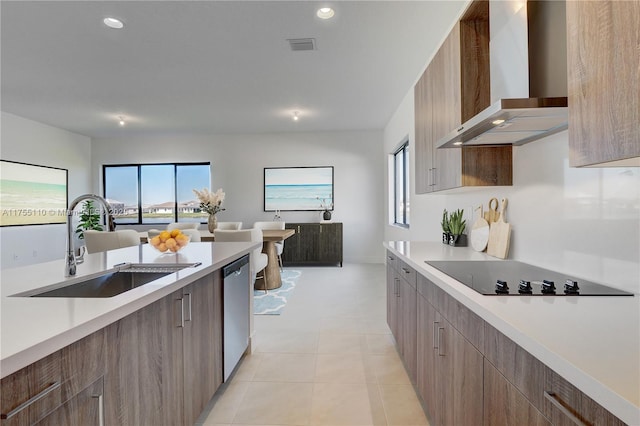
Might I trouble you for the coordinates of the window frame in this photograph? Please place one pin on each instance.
(139, 184)
(403, 150)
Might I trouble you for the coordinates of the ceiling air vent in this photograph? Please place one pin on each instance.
(299, 44)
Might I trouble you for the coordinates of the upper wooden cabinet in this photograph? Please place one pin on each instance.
(455, 87)
(603, 48)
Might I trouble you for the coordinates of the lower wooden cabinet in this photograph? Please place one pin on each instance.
(31, 394)
(86, 408)
(313, 244)
(449, 370)
(504, 404)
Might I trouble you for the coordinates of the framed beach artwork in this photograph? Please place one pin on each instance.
(31, 194)
(298, 188)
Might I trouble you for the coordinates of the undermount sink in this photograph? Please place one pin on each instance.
(124, 278)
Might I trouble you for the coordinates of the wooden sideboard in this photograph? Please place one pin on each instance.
(313, 244)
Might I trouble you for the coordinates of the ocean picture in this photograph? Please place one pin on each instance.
(298, 188)
(32, 195)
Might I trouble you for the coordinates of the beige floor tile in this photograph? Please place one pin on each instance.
(266, 403)
(382, 344)
(247, 368)
(388, 369)
(341, 368)
(341, 325)
(341, 343)
(276, 367)
(376, 326)
(346, 404)
(401, 405)
(286, 342)
(226, 402)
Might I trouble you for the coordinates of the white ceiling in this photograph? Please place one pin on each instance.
(214, 66)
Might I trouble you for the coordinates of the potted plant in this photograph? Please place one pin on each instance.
(457, 226)
(89, 219)
(445, 227)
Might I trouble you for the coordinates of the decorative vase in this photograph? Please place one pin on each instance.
(212, 223)
(326, 215)
(458, 240)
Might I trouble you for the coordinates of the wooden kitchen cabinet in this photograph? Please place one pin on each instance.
(164, 361)
(504, 404)
(86, 408)
(313, 244)
(402, 312)
(454, 88)
(202, 344)
(58, 378)
(449, 367)
(603, 85)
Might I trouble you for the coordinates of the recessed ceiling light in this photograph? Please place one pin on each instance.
(295, 116)
(498, 121)
(457, 143)
(113, 23)
(121, 121)
(325, 13)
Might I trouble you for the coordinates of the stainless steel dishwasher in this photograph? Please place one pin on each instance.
(236, 301)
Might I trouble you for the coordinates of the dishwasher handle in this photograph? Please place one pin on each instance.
(235, 267)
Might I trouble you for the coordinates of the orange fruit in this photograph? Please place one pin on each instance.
(170, 243)
(155, 241)
(162, 247)
(164, 236)
(182, 240)
(175, 233)
(174, 248)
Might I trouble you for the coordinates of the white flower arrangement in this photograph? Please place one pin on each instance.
(324, 205)
(210, 202)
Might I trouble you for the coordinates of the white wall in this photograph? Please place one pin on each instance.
(237, 163)
(582, 221)
(31, 142)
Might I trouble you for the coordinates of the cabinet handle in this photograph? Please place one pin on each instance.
(551, 397)
(100, 399)
(298, 229)
(433, 179)
(53, 386)
(181, 312)
(398, 287)
(440, 341)
(391, 258)
(189, 305)
(435, 334)
(405, 270)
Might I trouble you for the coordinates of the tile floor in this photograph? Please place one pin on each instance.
(329, 359)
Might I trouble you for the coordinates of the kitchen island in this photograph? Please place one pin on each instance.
(590, 342)
(136, 347)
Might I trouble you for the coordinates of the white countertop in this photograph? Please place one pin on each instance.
(593, 342)
(34, 327)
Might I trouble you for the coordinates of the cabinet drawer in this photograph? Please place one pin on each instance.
(518, 366)
(34, 391)
(470, 325)
(392, 260)
(407, 273)
(564, 404)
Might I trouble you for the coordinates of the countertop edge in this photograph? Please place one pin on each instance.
(603, 395)
(21, 359)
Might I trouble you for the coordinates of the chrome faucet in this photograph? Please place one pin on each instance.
(70, 267)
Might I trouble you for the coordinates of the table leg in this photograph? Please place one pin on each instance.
(272, 271)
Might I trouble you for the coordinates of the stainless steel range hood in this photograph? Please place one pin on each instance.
(511, 121)
(528, 76)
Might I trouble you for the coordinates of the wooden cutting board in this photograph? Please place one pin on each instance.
(499, 235)
(492, 214)
(479, 232)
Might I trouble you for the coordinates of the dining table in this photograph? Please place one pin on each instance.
(269, 238)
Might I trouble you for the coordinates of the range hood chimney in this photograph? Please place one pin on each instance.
(528, 76)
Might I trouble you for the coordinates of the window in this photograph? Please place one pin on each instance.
(401, 185)
(155, 193)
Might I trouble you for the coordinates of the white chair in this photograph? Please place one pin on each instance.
(97, 241)
(229, 226)
(182, 225)
(258, 261)
(279, 244)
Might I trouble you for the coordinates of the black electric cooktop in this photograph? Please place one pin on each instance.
(512, 278)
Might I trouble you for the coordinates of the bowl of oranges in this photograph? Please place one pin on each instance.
(169, 241)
